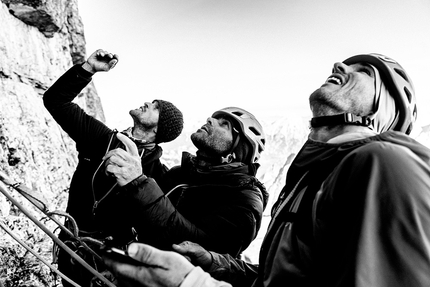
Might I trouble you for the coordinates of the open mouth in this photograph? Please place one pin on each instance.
(334, 80)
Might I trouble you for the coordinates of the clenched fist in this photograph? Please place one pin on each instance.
(100, 61)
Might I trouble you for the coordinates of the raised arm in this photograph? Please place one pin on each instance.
(80, 126)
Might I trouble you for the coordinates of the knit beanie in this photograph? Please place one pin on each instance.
(170, 122)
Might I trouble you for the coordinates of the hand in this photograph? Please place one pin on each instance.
(124, 165)
(196, 254)
(158, 268)
(100, 60)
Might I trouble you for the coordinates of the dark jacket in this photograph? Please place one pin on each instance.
(220, 207)
(351, 214)
(93, 139)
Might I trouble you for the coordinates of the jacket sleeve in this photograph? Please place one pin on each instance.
(228, 226)
(241, 216)
(198, 278)
(80, 126)
(232, 270)
(372, 218)
(156, 213)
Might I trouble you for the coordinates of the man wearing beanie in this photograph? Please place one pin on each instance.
(212, 198)
(95, 199)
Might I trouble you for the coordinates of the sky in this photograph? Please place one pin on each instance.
(265, 56)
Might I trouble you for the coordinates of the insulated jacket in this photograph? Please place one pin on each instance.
(95, 201)
(219, 207)
(93, 140)
(351, 214)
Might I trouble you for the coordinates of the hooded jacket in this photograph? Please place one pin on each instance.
(351, 214)
(218, 207)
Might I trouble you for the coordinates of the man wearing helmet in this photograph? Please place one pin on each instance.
(355, 210)
(245, 145)
(212, 198)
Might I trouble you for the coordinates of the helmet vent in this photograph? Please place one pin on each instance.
(408, 94)
(260, 149)
(254, 131)
(239, 114)
(402, 74)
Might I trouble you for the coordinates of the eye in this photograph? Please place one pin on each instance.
(223, 122)
(366, 70)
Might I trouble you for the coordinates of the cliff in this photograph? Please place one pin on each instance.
(39, 41)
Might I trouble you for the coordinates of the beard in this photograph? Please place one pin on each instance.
(322, 102)
(211, 145)
(142, 122)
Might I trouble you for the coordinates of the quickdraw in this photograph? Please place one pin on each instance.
(40, 204)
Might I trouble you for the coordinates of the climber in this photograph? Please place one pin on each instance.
(355, 209)
(94, 196)
(212, 198)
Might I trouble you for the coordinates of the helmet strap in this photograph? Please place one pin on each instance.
(342, 119)
(228, 158)
(231, 155)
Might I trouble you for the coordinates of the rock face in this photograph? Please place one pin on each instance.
(39, 41)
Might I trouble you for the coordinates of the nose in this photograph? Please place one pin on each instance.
(340, 68)
(212, 121)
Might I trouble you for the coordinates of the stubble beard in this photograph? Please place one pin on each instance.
(210, 145)
(142, 123)
(323, 103)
